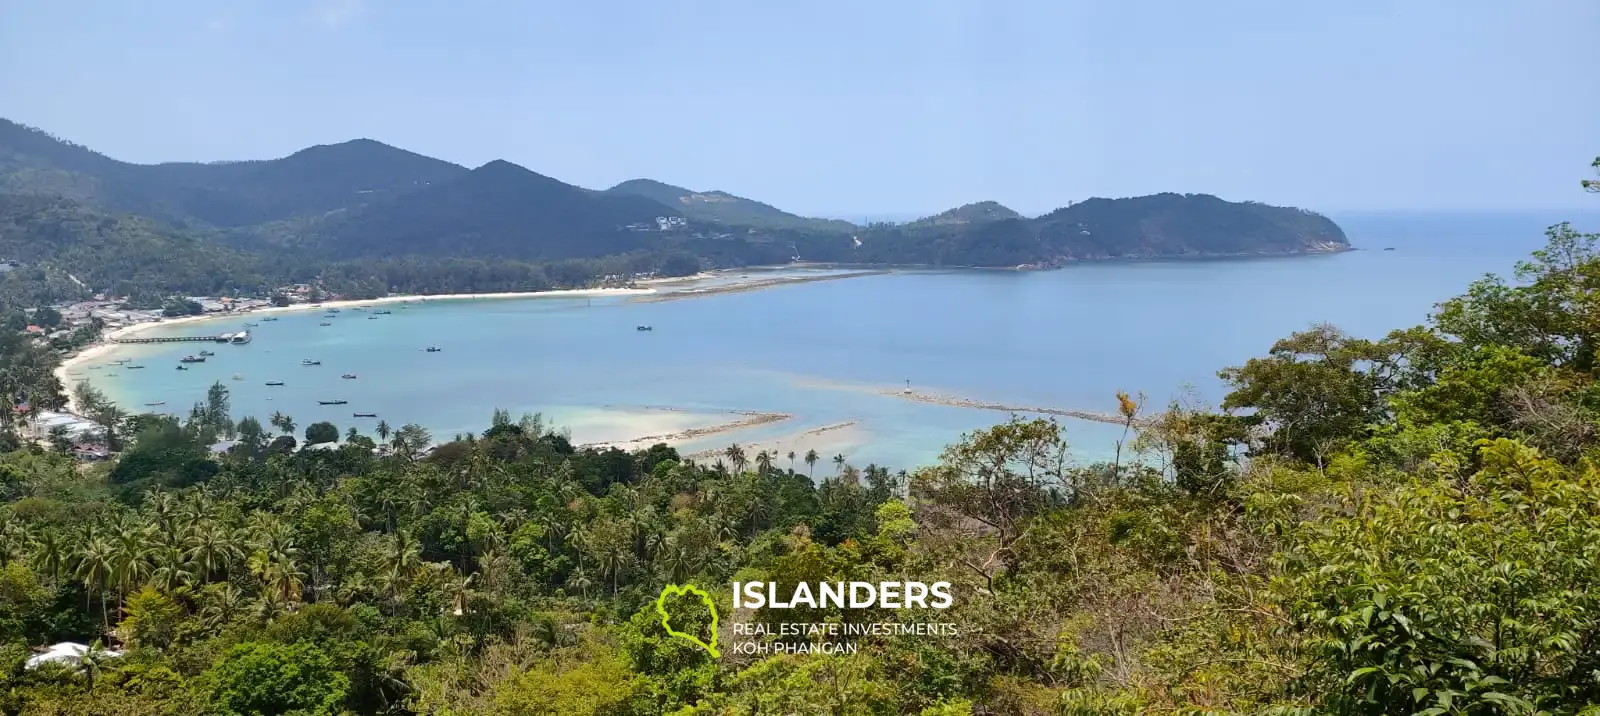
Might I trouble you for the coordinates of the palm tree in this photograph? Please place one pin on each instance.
(50, 555)
(811, 462)
(580, 579)
(212, 550)
(96, 565)
(735, 455)
(791, 461)
(383, 431)
(763, 463)
(283, 423)
(838, 462)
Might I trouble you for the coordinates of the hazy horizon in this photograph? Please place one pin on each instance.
(839, 109)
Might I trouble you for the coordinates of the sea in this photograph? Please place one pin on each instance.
(835, 357)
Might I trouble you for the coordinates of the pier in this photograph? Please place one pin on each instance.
(241, 337)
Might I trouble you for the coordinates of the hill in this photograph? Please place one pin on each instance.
(226, 194)
(989, 235)
(981, 212)
(362, 202)
(721, 207)
(69, 250)
(499, 210)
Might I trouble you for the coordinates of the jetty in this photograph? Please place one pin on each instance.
(239, 338)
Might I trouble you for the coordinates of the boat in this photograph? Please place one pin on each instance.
(133, 367)
(98, 367)
(384, 312)
(363, 415)
(183, 367)
(348, 376)
(434, 349)
(332, 402)
(270, 318)
(1388, 248)
(308, 361)
(251, 325)
(158, 402)
(643, 328)
(324, 323)
(192, 359)
(207, 354)
(333, 310)
(372, 318)
(275, 382)
(236, 376)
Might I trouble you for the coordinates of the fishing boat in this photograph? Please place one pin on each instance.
(384, 312)
(270, 318)
(251, 325)
(372, 318)
(308, 361)
(434, 349)
(643, 328)
(158, 402)
(333, 310)
(324, 323)
(364, 415)
(192, 359)
(133, 367)
(183, 367)
(207, 354)
(348, 376)
(274, 382)
(332, 402)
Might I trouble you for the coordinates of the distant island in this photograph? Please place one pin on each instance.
(366, 218)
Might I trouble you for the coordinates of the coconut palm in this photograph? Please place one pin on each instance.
(838, 462)
(735, 455)
(213, 549)
(811, 462)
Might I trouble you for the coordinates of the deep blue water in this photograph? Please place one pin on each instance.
(824, 351)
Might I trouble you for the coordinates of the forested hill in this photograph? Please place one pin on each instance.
(724, 208)
(365, 202)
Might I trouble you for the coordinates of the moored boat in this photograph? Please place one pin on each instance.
(274, 382)
(192, 359)
(333, 402)
(348, 376)
(364, 415)
(308, 361)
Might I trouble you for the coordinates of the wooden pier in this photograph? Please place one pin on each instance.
(174, 339)
(237, 338)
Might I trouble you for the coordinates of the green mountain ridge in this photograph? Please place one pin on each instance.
(366, 201)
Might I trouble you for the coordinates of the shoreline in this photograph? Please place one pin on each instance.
(108, 345)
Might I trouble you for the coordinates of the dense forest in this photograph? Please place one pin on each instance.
(365, 218)
(1364, 526)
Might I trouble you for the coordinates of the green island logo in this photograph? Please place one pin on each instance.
(661, 608)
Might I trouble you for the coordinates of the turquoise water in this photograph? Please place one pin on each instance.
(825, 351)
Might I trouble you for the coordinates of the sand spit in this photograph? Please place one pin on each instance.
(751, 419)
(959, 402)
(825, 439)
(748, 286)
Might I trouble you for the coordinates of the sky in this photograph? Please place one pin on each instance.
(857, 107)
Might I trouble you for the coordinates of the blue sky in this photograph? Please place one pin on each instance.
(858, 107)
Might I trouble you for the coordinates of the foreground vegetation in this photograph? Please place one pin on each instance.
(1404, 525)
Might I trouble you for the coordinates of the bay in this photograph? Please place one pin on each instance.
(835, 354)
